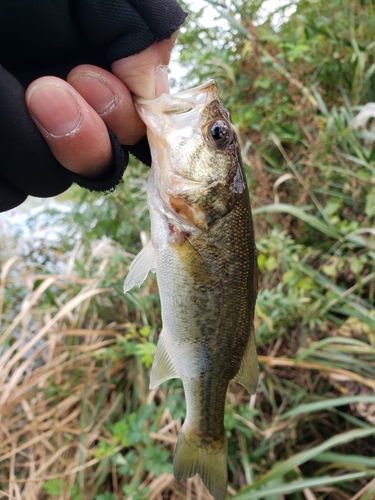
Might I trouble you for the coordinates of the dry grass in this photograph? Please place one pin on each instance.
(42, 433)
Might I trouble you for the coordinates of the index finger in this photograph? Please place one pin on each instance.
(145, 74)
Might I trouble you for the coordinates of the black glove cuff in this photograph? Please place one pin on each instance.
(10, 196)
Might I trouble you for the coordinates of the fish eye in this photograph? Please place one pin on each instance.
(220, 133)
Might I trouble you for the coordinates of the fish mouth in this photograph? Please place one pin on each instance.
(181, 102)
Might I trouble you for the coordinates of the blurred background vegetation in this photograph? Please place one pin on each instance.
(77, 420)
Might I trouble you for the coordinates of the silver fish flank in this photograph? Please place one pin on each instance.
(203, 251)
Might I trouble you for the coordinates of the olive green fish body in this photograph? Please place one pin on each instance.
(204, 254)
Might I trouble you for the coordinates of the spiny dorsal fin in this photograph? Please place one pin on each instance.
(162, 367)
(248, 373)
(142, 264)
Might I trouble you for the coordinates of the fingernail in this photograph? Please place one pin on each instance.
(54, 108)
(95, 91)
(161, 81)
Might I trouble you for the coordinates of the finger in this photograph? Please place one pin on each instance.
(145, 74)
(27, 165)
(74, 132)
(111, 99)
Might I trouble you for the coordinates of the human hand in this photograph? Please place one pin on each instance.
(39, 39)
(73, 115)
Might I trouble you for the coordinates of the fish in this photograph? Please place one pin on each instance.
(202, 249)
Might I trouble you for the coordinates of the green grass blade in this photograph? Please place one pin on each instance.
(232, 21)
(300, 213)
(326, 404)
(304, 456)
(334, 340)
(300, 485)
(370, 493)
(340, 458)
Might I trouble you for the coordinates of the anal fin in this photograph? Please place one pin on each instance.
(162, 367)
(249, 370)
(142, 264)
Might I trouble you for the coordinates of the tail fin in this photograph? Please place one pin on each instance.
(209, 458)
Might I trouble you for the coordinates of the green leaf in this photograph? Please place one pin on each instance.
(54, 486)
(263, 83)
(126, 465)
(157, 460)
(105, 496)
(145, 331)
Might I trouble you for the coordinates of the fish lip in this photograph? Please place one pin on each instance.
(208, 88)
(181, 102)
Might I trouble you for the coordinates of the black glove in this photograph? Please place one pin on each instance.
(50, 37)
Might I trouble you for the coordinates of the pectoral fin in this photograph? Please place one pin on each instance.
(248, 373)
(142, 264)
(162, 367)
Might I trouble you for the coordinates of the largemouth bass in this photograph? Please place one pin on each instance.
(203, 251)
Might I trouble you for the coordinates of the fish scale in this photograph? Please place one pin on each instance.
(202, 248)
